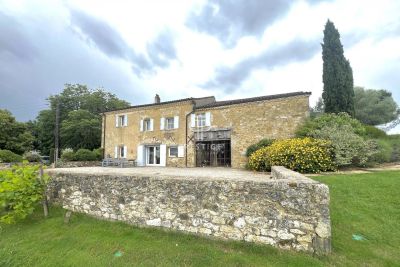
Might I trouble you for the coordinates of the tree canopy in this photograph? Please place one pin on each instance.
(374, 107)
(14, 136)
(81, 129)
(338, 93)
(80, 120)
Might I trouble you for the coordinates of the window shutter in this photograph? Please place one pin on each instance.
(176, 122)
(140, 155)
(162, 123)
(141, 125)
(163, 155)
(193, 120)
(116, 152)
(126, 120)
(208, 119)
(181, 151)
(125, 151)
(151, 124)
(116, 120)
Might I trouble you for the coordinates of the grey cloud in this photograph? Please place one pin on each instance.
(25, 84)
(111, 43)
(13, 40)
(162, 49)
(230, 78)
(231, 20)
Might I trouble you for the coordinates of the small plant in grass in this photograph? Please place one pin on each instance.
(21, 188)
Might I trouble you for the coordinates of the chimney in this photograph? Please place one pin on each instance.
(157, 99)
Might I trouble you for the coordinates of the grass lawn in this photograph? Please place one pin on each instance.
(366, 204)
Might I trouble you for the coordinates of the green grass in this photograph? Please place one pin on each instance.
(367, 204)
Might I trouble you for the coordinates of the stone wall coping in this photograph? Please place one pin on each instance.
(199, 174)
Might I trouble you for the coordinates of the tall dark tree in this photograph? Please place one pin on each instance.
(338, 93)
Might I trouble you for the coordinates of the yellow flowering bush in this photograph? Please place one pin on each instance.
(305, 155)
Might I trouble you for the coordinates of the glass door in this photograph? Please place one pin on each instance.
(153, 155)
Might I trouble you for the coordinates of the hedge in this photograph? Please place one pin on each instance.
(305, 155)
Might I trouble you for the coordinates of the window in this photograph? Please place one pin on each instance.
(147, 125)
(169, 123)
(122, 152)
(121, 120)
(201, 120)
(173, 151)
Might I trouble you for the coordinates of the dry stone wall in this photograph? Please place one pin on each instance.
(289, 211)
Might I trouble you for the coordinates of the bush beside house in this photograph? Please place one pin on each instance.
(82, 155)
(305, 155)
(350, 144)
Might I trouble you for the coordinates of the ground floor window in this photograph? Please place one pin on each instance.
(213, 153)
(173, 151)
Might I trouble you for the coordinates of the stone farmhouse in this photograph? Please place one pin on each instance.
(195, 132)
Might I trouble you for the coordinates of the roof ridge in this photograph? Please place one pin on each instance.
(252, 99)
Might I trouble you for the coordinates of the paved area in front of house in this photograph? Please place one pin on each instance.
(204, 173)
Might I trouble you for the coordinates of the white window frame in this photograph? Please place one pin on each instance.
(122, 151)
(202, 122)
(147, 125)
(169, 152)
(168, 125)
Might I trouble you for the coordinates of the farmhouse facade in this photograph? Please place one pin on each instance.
(195, 132)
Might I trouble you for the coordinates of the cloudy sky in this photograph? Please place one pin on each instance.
(230, 49)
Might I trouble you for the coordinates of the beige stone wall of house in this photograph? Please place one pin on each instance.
(131, 136)
(253, 121)
(249, 122)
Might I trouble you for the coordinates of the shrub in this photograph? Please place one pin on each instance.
(385, 152)
(8, 156)
(305, 155)
(259, 160)
(20, 190)
(394, 141)
(85, 155)
(330, 120)
(32, 156)
(262, 143)
(67, 154)
(99, 153)
(349, 148)
(373, 132)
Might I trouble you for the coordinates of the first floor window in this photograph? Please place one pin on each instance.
(169, 123)
(173, 151)
(147, 125)
(122, 120)
(201, 120)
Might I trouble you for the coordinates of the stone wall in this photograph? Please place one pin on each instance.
(289, 211)
(75, 164)
(250, 122)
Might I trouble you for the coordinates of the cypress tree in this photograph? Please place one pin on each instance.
(338, 93)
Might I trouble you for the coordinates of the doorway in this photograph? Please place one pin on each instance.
(213, 153)
(153, 155)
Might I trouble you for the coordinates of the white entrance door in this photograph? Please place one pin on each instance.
(153, 155)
